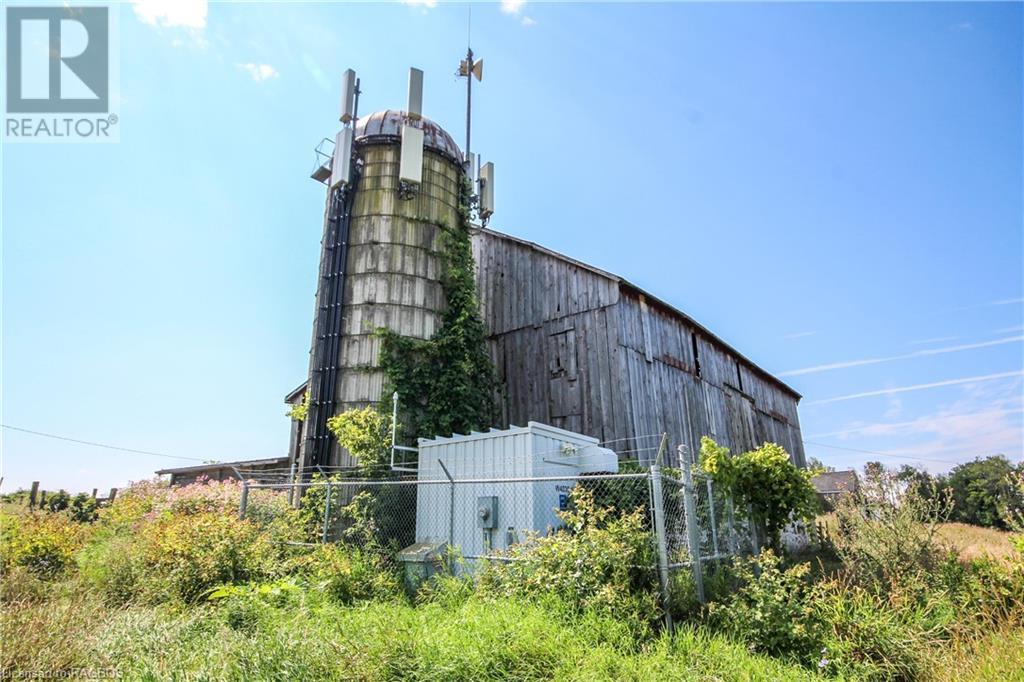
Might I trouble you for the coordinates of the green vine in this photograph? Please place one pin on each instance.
(446, 384)
(776, 491)
(298, 411)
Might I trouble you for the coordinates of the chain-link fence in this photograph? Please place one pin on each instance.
(691, 524)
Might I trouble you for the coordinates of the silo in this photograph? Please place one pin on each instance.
(380, 266)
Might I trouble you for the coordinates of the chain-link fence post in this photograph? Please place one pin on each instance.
(692, 530)
(243, 504)
(327, 511)
(730, 522)
(712, 518)
(451, 505)
(658, 506)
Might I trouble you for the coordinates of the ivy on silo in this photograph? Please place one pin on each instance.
(446, 384)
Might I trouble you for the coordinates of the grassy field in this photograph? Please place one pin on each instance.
(140, 594)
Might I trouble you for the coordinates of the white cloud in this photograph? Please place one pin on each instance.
(918, 387)
(512, 6)
(259, 72)
(172, 13)
(895, 408)
(528, 22)
(425, 4)
(798, 335)
(984, 420)
(905, 356)
(937, 339)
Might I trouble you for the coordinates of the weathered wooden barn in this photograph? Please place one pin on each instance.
(582, 349)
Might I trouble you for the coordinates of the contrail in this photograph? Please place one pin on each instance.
(917, 387)
(904, 356)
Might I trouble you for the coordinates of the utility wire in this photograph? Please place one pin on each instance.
(99, 445)
(882, 454)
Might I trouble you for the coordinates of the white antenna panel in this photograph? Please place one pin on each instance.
(341, 164)
(415, 107)
(473, 168)
(348, 96)
(487, 189)
(410, 168)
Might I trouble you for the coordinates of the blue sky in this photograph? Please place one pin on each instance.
(834, 189)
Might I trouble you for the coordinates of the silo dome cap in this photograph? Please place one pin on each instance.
(386, 127)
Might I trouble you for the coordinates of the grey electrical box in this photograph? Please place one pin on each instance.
(487, 511)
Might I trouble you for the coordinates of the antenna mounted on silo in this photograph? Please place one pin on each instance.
(482, 199)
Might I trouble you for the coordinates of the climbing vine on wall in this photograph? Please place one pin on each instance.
(445, 385)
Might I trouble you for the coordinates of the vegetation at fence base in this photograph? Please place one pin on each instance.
(894, 601)
(776, 491)
(380, 514)
(447, 383)
(601, 560)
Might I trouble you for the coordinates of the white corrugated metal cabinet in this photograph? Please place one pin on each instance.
(463, 515)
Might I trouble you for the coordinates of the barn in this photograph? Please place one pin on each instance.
(586, 350)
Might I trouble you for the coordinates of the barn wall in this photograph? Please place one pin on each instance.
(576, 350)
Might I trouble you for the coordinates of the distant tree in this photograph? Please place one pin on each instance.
(984, 492)
(816, 465)
(57, 501)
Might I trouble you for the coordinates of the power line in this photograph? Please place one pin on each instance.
(882, 454)
(99, 445)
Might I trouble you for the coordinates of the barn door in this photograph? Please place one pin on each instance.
(565, 404)
(740, 418)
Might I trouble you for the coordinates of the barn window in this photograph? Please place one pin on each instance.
(696, 356)
(562, 354)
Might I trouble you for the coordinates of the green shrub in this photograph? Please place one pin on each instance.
(601, 561)
(179, 558)
(887, 535)
(44, 543)
(771, 611)
(350, 574)
(765, 480)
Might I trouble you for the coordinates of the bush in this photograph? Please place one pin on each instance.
(764, 479)
(349, 574)
(602, 561)
(44, 543)
(179, 558)
(771, 611)
(887, 535)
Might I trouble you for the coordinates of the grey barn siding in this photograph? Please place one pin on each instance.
(581, 349)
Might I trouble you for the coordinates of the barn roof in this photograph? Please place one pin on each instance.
(831, 482)
(212, 466)
(651, 299)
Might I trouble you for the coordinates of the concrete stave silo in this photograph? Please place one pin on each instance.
(392, 241)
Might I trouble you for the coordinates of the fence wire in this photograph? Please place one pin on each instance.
(691, 523)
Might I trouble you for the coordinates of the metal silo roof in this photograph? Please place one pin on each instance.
(386, 126)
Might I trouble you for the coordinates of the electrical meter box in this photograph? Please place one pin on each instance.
(487, 511)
